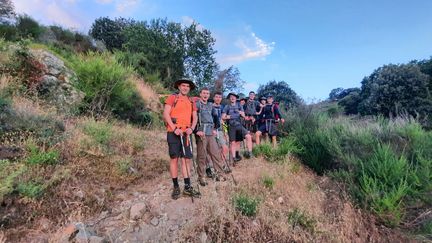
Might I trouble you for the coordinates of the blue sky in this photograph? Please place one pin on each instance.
(313, 45)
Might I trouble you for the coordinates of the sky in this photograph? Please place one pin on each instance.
(314, 46)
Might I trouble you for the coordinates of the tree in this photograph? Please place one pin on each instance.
(281, 92)
(28, 27)
(7, 10)
(228, 80)
(350, 102)
(200, 63)
(393, 89)
(110, 32)
(334, 94)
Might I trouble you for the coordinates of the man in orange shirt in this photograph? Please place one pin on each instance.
(180, 115)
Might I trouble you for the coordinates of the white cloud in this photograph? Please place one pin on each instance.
(252, 47)
(187, 21)
(104, 1)
(52, 12)
(126, 5)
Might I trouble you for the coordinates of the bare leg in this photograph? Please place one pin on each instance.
(249, 142)
(257, 137)
(174, 167)
(274, 141)
(186, 167)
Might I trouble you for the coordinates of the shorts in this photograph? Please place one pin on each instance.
(250, 126)
(237, 133)
(175, 147)
(269, 128)
(220, 138)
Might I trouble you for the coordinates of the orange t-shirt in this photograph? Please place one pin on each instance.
(182, 111)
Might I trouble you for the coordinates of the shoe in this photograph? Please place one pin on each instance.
(209, 173)
(175, 193)
(220, 178)
(247, 155)
(237, 158)
(190, 192)
(202, 181)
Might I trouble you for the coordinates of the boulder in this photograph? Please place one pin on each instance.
(56, 86)
(137, 211)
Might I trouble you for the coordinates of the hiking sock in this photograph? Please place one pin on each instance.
(175, 182)
(187, 182)
(237, 154)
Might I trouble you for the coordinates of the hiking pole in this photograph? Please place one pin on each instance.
(186, 164)
(224, 159)
(194, 163)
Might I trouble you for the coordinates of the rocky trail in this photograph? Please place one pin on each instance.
(146, 213)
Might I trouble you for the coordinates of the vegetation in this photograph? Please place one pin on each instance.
(246, 204)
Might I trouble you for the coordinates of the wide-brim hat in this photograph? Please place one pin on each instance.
(185, 80)
(228, 96)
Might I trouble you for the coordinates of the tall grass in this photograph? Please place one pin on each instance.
(108, 88)
(386, 163)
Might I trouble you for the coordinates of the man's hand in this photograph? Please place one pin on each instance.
(253, 119)
(189, 131)
(282, 120)
(214, 132)
(200, 133)
(228, 117)
(177, 131)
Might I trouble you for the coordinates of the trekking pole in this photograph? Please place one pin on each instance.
(186, 164)
(224, 159)
(194, 163)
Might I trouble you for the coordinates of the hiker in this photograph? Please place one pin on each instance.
(243, 103)
(206, 138)
(236, 132)
(180, 115)
(268, 115)
(221, 137)
(251, 108)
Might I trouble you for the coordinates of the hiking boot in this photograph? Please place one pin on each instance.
(175, 193)
(209, 173)
(202, 181)
(237, 158)
(247, 155)
(220, 178)
(190, 192)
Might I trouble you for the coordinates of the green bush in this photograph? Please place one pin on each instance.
(268, 181)
(297, 217)
(30, 189)
(38, 156)
(287, 145)
(8, 32)
(108, 88)
(101, 132)
(27, 27)
(246, 205)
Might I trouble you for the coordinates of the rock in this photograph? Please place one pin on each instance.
(68, 233)
(56, 85)
(154, 221)
(96, 239)
(137, 211)
(203, 237)
(280, 200)
(84, 233)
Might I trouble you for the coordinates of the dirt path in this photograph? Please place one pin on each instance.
(146, 213)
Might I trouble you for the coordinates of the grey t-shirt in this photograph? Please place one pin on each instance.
(233, 111)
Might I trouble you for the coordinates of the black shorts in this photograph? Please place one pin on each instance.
(236, 132)
(175, 147)
(250, 126)
(269, 128)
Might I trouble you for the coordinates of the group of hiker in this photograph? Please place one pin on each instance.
(213, 124)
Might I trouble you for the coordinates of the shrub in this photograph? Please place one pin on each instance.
(28, 27)
(30, 189)
(108, 89)
(124, 165)
(297, 217)
(38, 156)
(8, 32)
(288, 145)
(8, 173)
(268, 181)
(246, 205)
(100, 132)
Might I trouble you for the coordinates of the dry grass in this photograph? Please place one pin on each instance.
(327, 215)
(148, 94)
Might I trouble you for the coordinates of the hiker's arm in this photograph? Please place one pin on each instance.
(167, 117)
(194, 121)
(216, 121)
